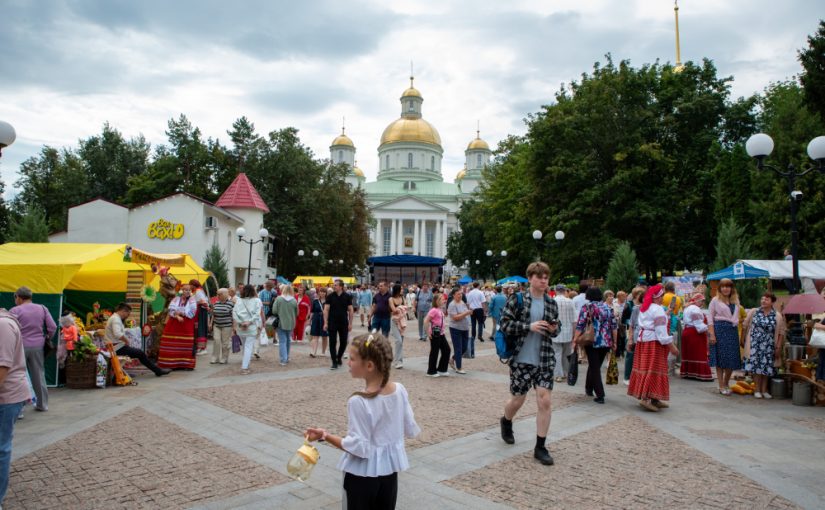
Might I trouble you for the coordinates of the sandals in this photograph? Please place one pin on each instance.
(649, 406)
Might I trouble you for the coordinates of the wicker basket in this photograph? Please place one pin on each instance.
(81, 374)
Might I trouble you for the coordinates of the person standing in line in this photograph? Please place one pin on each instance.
(494, 308)
(695, 342)
(34, 320)
(14, 390)
(381, 310)
(535, 324)
(475, 300)
(221, 328)
(247, 315)
(434, 323)
(286, 309)
(459, 314)
(600, 314)
(409, 301)
(399, 324)
(267, 297)
(304, 308)
(562, 344)
(723, 334)
(338, 316)
(765, 332)
(316, 322)
(364, 303)
(422, 303)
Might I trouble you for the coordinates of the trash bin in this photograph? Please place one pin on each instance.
(802, 393)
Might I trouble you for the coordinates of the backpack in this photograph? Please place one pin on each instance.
(506, 344)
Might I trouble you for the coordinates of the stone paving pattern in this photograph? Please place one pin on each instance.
(163, 466)
(817, 424)
(626, 463)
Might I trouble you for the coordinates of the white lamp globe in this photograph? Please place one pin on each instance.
(7, 134)
(489, 253)
(240, 231)
(341, 261)
(559, 235)
(503, 253)
(300, 253)
(816, 148)
(263, 233)
(759, 145)
(537, 235)
(314, 253)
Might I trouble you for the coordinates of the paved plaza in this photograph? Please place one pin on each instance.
(215, 439)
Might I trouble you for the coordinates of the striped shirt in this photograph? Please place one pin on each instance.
(222, 312)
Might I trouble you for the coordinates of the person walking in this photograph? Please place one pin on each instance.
(600, 314)
(764, 330)
(14, 389)
(247, 315)
(494, 309)
(422, 303)
(459, 315)
(221, 328)
(304, 309)
(434, 322)
(381, 309)
(338, 315)
(398, 325)
(723, 334)
(364, 303)
(563, 343)
(286, 309)
(316, 322)
(535, 323)
(36, 328)
(695, 342)
(475, 300)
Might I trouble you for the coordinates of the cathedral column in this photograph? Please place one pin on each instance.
(443, 228)
(417, 237)
(378, 238)
(393, 234)
(399, 241)
(437, 239)
(423, 237)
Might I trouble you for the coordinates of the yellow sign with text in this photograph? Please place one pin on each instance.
(163, 229)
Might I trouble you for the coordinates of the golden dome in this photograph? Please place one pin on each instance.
(342, 139)
(461, 174)
(411, 130)
(412, 92)
(478, 143)
(358, 172)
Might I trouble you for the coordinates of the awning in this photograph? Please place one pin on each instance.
(739, 271)
(783, 269)
(406, 260)
(513, 279)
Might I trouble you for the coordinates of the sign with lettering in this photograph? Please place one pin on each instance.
(163, 229)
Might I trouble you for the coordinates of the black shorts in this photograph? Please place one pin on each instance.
(524, 376)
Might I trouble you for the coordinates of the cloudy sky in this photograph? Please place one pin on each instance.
(69, 66)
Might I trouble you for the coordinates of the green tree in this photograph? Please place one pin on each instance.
(813, 75)
(622, 271)
(31, 227)
(215, 262)
(732, 244)
(109, 161)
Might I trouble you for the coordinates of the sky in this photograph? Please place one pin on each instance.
(67, 67)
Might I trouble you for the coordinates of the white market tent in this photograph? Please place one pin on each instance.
(809, 270)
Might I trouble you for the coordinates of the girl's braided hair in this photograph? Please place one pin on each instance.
(376, 348)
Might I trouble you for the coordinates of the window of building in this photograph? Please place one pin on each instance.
(478, 161)
(387, 164)
(410, 106)
(432, 163)
(409, 160)
(408, 230)
(430, 243)
(387, 239)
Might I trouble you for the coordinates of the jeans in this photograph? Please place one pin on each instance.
(563, 350)
(477, 320)
(438, 344)
(628, 364)
(398, 350)
(381, 324)
(8, 415)
(459, 338)
(221, 338)
(422, 314)
(249, 343)
(595, 359)
(284, 336)
(337, 332)
(34, 364)
(140, 356)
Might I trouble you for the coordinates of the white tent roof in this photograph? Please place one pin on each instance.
(783, 269)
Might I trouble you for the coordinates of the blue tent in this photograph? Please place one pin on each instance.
(282, 280)
(465, 280)
(512, 279)
(739, 271)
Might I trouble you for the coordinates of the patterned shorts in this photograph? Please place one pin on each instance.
(524, 376)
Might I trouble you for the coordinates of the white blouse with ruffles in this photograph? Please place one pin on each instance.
(653, 325)
(695, 317)
(374, 444)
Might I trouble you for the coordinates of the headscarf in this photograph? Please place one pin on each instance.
(695, 298)
(651, 294)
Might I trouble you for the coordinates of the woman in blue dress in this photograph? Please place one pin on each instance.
(723, 334)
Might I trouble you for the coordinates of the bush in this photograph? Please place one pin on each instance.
(622, 271)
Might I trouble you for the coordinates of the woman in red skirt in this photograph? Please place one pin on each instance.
(177, 344)
(648, 381)
(695, 342)
(303, 312)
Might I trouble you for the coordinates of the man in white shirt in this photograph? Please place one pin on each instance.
(116, 333)
(562, 344)
(475, 301)
(578, 301)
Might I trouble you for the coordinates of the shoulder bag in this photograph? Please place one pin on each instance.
(588, 336)
(48, 348)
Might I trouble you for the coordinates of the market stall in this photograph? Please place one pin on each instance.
(318, 281)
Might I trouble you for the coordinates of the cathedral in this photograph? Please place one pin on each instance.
(414, 209)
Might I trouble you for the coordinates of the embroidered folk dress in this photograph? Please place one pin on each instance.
(649, 377)
(178, 344)
(695, 346)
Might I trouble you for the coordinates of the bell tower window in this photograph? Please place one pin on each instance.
(410, 106)
(409, 160)
(432, 163)
(340, 156)
(387, 164)
(478, 161)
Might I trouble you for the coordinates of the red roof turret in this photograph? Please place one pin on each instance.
(241, 193)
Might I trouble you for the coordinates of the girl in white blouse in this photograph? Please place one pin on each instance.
(379, 419)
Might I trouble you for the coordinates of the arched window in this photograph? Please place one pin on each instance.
(410, 107)
(409, 160)
(478, 161)
(340, 156)
(387, 164)
(432, 163)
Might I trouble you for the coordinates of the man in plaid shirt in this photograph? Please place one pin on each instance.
(533, 359)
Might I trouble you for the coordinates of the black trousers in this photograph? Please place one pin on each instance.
(139, 355)
(477, 319)
(595, 358)
(371, 492)
(337, 332)
(438, 344)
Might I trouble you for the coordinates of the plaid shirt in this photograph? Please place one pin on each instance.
(519, 326)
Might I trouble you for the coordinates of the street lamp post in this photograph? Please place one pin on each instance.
(759, 147)
(541, 245)
(496, 261)
(241, 233)
(7, 135)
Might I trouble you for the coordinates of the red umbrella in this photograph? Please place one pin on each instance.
(805, 304)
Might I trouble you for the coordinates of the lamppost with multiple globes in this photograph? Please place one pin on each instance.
(495, 262)
(759, 147)
(541, 244)
(7, 135)
(241, 233)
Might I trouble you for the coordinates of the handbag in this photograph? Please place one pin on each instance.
(817, 339)
(236, 343)
(612, 370)
(573, 371)
(588, 336)
(48, 347)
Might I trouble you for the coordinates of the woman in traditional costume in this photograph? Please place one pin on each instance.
(304, 309)
(695, 342)
(723, 334)
(202, 316)
(648, 381)
(177, 344)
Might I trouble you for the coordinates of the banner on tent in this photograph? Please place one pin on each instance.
(141, 257)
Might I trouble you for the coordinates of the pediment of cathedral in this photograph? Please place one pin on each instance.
(409, 203)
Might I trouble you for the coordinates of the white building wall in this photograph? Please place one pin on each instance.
(97, 221)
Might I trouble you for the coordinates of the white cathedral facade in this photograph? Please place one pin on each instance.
(414, 209)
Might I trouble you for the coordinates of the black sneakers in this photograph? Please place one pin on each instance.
(507, 431)
(542, 455)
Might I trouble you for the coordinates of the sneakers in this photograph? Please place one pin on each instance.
(334, 367)
(399, 365)
(283, 363)
(767, 396)
(626, 382)
(507, 430)
(444, 374)
(434, 375)
(757, 395)
(257, 356)
(599, 400)
(542, 455)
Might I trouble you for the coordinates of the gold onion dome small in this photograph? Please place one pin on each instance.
(478, 143)
(411, 130)
(342, 139)
(358, 172)
(461, 174)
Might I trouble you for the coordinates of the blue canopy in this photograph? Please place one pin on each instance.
(406, 260)
(739, 271)
(282, 280)
(513, 279)
(465, 280)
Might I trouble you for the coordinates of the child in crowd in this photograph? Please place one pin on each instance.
(379, 419)
(69, 331)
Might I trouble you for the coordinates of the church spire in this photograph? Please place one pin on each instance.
(679, 67)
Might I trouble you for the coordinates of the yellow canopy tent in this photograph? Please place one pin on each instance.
(322, 280)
